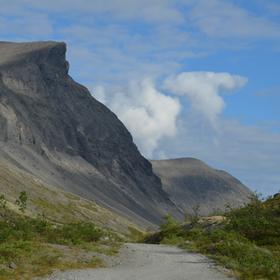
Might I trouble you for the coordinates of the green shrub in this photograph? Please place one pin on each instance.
(229, 248)
(22, 201)
(3, 201)
(257, 222)
(12, 251)
(168, 224)
(16, 227)
(75, 234)
(26, 242)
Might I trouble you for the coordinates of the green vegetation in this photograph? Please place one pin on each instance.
(22, 201)
(35, 246)
(135, 234)
(246, 240)
(3, 201)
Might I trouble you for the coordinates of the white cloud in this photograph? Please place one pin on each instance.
(149, 114)
(204, 89)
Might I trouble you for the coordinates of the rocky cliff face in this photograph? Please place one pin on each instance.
(196, 187)
(52, 127)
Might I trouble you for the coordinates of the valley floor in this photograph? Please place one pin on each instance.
(149, 262)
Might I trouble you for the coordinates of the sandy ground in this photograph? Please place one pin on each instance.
(149, 262)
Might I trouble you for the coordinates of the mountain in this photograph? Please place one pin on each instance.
(51, 128)
(195, 186)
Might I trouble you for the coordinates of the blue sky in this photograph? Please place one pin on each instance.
(188, 77)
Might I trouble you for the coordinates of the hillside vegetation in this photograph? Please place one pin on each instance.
(35, 246)
(245, 240)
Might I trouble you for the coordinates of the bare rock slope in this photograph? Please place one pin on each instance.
(51, 127)
(195, 186)
(57, 205)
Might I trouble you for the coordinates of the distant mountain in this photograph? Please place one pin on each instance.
(53, 129)
(192, 184)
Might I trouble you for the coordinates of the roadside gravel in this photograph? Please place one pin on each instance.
(149, 262)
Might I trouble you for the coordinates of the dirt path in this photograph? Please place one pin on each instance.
(150, 262)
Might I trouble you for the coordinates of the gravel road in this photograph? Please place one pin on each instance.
(149, 262)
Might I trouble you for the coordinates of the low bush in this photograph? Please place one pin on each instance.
(32, 245)
(258, 221)
(16, 227)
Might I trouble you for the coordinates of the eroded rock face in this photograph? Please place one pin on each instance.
(55, 129)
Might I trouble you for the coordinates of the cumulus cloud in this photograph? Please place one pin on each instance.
(204, 89)
(149, 114)
(152, 116)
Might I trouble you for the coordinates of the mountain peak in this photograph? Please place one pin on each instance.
(12, 52)
(26, 68)
(191, 182)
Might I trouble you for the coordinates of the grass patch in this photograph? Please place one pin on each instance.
(32, 247)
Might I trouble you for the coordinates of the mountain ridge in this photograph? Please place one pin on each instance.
(194, 186)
